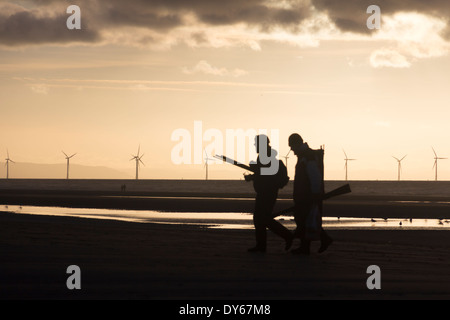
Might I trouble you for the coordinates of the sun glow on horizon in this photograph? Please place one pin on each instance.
(292, 66)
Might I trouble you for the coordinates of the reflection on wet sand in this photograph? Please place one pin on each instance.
(226, 220)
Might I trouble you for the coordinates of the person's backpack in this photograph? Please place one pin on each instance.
(282, 177)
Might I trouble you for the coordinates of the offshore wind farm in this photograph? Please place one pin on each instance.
(24, 170)
(96, 183)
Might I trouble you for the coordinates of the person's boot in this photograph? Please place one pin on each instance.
(289, 242)
(325, 243)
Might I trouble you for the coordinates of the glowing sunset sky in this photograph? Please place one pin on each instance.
(139, 70)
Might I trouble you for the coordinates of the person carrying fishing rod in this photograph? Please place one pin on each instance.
(269, 175)
(308, 196)
(266, 183)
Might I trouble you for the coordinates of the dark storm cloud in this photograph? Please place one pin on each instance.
(45, 20)
(168, 13)
(350, 15)
(256, 14)
(259, 12)
(19, 27)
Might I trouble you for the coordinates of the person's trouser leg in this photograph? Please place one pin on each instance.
(260, 231)
(300, 215)
(260, 224)
(263, 219)
(325, 241)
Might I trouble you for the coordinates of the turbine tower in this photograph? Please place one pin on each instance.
(206, 163)
(68, 162)
(287, 157)
(346, 165)
(435, 166)
(399, 165)
(138, 160)
(8, 160)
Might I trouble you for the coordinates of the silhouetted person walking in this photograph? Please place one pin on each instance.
(266, 184)
(308, 193)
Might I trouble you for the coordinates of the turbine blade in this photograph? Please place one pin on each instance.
(403, 158)
(434, 152)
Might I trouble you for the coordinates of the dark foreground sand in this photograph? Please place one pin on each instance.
(121, 260)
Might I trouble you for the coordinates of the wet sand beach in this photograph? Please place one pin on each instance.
(121, 260)
(125, 260)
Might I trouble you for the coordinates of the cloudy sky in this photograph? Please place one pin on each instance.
(138, 72)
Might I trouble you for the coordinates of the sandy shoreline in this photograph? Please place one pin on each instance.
(125, 260)
(344, 206)
(369, 199)
(121, 260)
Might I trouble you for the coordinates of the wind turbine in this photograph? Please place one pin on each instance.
(68, 162)
(138, 158)
(8, 160)
(346, 165)
(435, 166)
(399, 165)
(287, 157)
(206, 163)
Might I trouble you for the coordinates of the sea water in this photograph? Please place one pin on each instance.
(223, 220)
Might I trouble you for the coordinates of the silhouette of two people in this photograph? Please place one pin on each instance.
(266, 182)
(269, 176)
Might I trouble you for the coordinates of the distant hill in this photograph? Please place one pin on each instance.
(22, 170)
